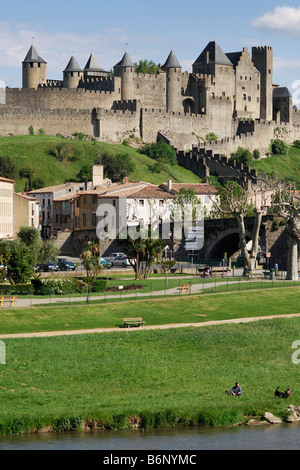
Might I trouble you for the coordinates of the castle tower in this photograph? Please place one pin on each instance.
(34, 70)
(72, 74)
(212, 60)
(93, 69)
(173, 70)
(262, 58)
(125, 70)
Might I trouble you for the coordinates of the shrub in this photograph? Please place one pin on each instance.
(160, 151)
(16, 289)
(211, 136)
(30, 130)
(279, 147)
(99, 285)
(297, 144)
(256, 154)
(242, 156)
(7, 168)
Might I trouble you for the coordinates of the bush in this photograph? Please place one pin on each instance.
(116, 166)
(297, 144)
(279, 147)
(54, 286)
(30, 130)
(160, 151)
(16, 289)
(7, 168)
(243, 156)
(211, 137)
(256, 154)
(99, 285)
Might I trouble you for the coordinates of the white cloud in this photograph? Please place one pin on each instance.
(282, 19)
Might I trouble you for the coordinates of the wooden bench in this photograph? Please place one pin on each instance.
(185, 288)
(10, 300)
(128, 322)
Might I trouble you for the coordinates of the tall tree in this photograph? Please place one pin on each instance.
(233, 201)
(287, 204)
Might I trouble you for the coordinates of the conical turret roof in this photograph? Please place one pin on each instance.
(125, 62)
(73, 66)
(33, 57)
(172, 62)
(92, 65)
(216, 55)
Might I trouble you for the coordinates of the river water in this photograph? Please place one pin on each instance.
(269, 437)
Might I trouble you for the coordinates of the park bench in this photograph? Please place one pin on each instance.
(185, 288)
(128, 322)
(255, 276)
(10, 300)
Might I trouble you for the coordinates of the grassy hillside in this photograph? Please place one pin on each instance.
(36, 153)
(284, 167)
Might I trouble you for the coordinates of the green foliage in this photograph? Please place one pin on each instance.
(160, 151)
(211, 137)
(116, 166)
(16, 289)
(85, 173)
(7, 168)
(243, 156)
(297, 144)
(98, 285)
(64, 151)
(20, 264)
(256, 154)
(279, 147)
(58, 286)
(41, 131)
(146, 67)
(80, 136)
(30, 130)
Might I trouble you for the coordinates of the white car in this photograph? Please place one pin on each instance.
(113, 256)
(121, 260)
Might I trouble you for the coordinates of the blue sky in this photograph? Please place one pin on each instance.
(151, 29)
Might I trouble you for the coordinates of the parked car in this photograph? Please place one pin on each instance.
(113, 256)
(121, 260)
(105, 263)
(65, 264)
(50, 266)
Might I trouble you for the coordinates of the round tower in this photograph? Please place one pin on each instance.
(73, 73)
(34, 71)
(125, 70)
(173, 88)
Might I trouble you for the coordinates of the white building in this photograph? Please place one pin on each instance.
(6, 208)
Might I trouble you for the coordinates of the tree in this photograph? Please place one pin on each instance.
(20, 264)
(7, 168)
(243, 156)
(42, 252)
(160, 151)
(287, 204)
(91, 261)
(233, 201)
(143, 252)
(146, 66)
(166, 265)
(116, 166)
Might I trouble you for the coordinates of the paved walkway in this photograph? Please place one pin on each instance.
(174, 291)
(145, 328)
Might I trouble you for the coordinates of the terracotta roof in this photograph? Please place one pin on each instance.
(52, 189)
(6, 179)
(198, 188)
(27, 197)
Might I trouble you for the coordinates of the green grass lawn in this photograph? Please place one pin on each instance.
(181, 309)
(34, 152)
(161, 378)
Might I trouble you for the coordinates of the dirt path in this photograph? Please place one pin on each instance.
(145, 328)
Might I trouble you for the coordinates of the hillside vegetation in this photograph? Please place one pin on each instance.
(283, 167)
(54, 160)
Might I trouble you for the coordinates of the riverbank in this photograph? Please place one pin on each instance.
(148, 379)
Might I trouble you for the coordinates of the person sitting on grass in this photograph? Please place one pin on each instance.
(236, 391)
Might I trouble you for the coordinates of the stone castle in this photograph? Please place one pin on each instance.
(229, 94)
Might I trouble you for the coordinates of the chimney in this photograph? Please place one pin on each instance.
(169, 186)
(97, 175)
(125, 180)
